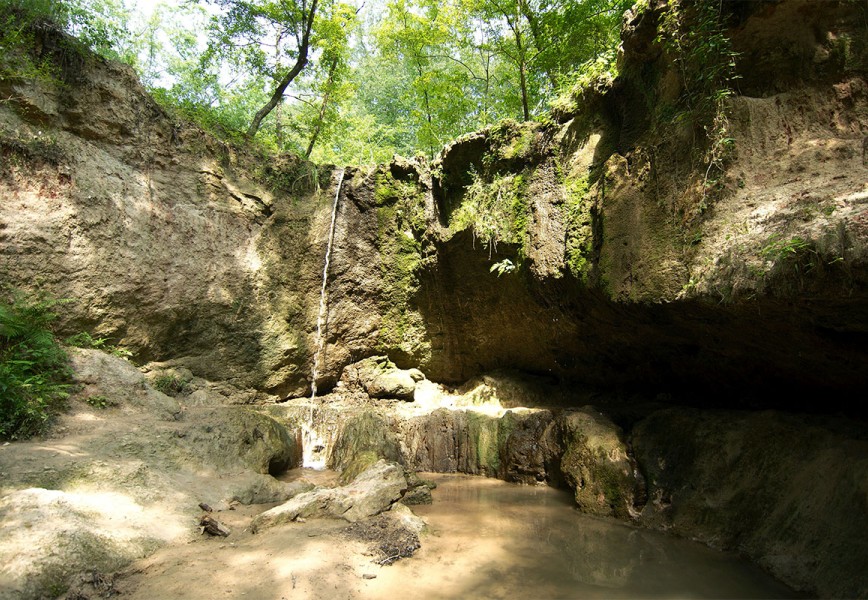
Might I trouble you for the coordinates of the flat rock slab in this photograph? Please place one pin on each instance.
(372, 492)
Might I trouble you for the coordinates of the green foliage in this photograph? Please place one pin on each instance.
(694, 35)
(592, 76)
(100, 402)
(173, 63)
(402, 76)
(415, 40)
(24, 26)
(171, 385)
(102, 26)
(31, 35)
(425, 72)
(510, 140)
(778, 248)
(496, 210)
(224, 120)
(503, 266)
(34, 374)
(85, 340)
(575, 32)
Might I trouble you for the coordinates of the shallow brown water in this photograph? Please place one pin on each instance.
(490, 539)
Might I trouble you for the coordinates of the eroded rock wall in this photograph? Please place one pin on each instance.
(617, 263)
(168, 242)
(786, 490)
(628, 255)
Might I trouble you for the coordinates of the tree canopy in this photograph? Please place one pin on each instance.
(342, 82)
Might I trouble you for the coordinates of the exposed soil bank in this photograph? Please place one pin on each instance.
(629, 270)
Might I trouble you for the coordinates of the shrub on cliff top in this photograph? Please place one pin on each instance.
(34, 373)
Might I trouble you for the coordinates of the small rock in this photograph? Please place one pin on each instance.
(369, 576)
(416, 374)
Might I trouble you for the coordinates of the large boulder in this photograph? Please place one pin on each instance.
(362, 440)
(372, 492)
(380, 378)
(597, 466)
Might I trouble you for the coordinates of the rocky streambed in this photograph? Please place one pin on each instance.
(724, 321)
(785, 490)
(117, 484)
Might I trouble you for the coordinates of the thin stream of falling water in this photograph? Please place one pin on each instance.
(313, 446)
(320, 319)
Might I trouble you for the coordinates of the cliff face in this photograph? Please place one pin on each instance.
(656, 251)
(169, 242)
(625, 257)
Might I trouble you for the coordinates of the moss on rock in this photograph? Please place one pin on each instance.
(401, 223)
(362, 441)
(596, 464)
(579, 224)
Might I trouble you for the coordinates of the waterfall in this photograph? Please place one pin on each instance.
(313, 445)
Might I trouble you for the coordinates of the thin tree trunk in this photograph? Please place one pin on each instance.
(300, 63)
(514, 23)
(278, 130)
(522, 73)
(536, 34)
(524, 103)
(427, 109)
(323, 107)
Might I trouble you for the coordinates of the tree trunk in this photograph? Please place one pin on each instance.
(300, 63)
(538, 40)
(522, 74)
(323, 107)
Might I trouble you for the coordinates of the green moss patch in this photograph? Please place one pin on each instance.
(579, 226)
(400, 225)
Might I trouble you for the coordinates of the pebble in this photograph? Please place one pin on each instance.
(369, 576)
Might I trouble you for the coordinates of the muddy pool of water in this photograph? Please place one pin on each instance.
(497, 540)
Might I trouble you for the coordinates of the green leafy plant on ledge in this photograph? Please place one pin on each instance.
(502, 267)
(778, 248)
(86, 340)
(497, 211)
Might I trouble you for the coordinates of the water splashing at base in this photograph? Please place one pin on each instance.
(313, 445)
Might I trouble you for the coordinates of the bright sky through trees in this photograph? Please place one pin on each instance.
(373, 79)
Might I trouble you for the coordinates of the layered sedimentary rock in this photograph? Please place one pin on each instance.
(625, 258)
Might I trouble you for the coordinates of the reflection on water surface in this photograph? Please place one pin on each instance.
(496, 540)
